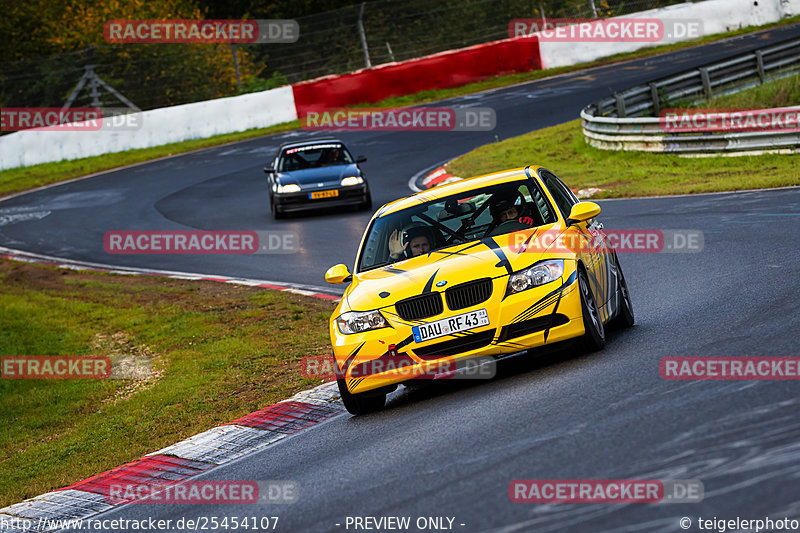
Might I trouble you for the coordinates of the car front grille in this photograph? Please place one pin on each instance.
(463, 344)
(419, 307)
(468, 294)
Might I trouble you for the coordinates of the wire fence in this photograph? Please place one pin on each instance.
(159, 75)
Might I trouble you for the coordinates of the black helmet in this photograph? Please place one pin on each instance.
(503, 201)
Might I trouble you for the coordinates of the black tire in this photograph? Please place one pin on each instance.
(595, 337)
(366, 205)
(625, 317)
(360, 404)
(273, 208)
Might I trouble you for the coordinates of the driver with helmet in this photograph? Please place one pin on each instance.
(415, 240)
(510, 207)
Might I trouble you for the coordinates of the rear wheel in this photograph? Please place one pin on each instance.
(595, 336)
(360, 404)
(625, 317)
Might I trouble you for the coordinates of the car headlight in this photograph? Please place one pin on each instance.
(539, 274)
(352, 180)
(289, 187)
(356, 322)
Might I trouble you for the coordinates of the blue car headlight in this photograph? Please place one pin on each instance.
(539, 274)
(289, 187)
(352, 180)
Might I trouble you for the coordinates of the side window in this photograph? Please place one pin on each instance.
(565, 189)
(561, 194)
(535, 198)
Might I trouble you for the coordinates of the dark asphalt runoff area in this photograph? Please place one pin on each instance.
(452, 449)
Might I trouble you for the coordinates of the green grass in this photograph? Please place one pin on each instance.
(782, 92)
(218, 352)
(564, 150)
(21, 179)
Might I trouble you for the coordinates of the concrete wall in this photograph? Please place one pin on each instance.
(717, 16)
(157, 127)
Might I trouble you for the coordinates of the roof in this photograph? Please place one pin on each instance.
(449, 189)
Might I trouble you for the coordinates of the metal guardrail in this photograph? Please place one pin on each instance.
(617, 122)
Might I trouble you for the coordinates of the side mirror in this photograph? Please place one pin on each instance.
(269, 170)
(582, 211)
(361, 159)
(338, 274)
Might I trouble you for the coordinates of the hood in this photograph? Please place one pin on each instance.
(491, 257)
(330, 175)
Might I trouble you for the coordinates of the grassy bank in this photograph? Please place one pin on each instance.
(16, 180)
(777, 93)
(218, 352)
(564, 150)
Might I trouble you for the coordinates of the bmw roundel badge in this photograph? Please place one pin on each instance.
(441, 283)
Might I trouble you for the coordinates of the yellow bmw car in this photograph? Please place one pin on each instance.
(484, 267)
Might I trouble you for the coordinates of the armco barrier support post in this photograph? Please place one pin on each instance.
(656, 99)
(706, 83)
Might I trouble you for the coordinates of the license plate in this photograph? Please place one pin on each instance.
(448, 326)
(322, 194)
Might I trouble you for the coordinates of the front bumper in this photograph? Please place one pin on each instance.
(299, 201)
(387, 356)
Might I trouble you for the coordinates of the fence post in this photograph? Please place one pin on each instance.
(760, 65)
(706, 83)
(363, 35)
(620, 105)
(656, 99)
(236, 64)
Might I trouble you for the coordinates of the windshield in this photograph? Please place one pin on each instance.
(456, 219)
(313, 156)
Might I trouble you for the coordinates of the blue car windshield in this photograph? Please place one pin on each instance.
(314, 156)
(463, 217)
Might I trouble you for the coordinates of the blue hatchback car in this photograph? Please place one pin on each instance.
(316, 174)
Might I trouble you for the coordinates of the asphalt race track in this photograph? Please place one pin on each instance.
(451, 449)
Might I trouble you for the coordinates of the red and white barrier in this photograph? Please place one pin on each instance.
(438, 71)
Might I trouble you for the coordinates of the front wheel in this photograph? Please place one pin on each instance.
(273, 207)
(366, 205)
(625, 317)
(359, 404)
(595, 336)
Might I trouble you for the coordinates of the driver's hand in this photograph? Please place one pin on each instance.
(526, 220)
(396, 246)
